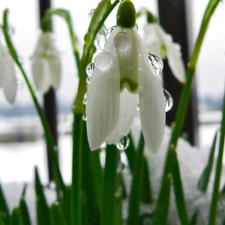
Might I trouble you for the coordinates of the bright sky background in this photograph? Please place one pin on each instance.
(24, 20)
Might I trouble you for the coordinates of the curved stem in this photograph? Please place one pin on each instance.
(57, 174)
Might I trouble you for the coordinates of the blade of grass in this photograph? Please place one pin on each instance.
(16, 217)
(4, 208)
(134, 200)
(179, 193)
(219, 164)
(56, 215)
(194, 218)
(109, 184)
(24, 212)
(43, 217)
(205, 176)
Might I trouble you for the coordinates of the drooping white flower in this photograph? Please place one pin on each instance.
(46, 65)
(7, 75)
(122, 79)
(161, 43)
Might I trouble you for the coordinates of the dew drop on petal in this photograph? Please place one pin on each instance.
(168, 100)
(122, 42)
(84, 117)
(156, 62)
(90, 68)
(103, 60)
(123, 144)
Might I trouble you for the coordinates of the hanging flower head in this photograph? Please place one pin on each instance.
(46, 66)
(7, 75)
(161, 43)
(123, 78)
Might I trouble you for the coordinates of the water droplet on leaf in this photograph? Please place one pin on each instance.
(156, 62)
(123, 144)
(88, 80)
(85, 100)
(90, 68)
(122, 42)
(103, 60)
(168, 100)
(84, 117)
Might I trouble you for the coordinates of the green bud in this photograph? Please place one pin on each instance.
(126, 14)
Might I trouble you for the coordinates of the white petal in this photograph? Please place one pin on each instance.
(103, 99)
(40, 73)
(174, 55)
(128, 108)
(10, 84)
(151, 100)
(175, 62)
(55, 71)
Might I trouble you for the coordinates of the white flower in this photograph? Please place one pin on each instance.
(157, 41)
(123, 79)
(46, 65)
(7, 75)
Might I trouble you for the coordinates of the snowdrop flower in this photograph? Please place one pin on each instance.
(7, 75)
(161, 43)
(123, 79)
(46, 67)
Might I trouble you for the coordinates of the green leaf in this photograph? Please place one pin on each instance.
(194, 218)
(56, 215)
(4, 208)
(41, 203)
(179, 193)
(134, 200)
(109, 185)
(204, 178)
(16, 217)
(24, 212)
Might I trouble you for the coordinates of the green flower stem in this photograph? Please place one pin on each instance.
(215, 194)
(101, 13)
(185, 96)
(57, 174)
(134, 200)
(109, 184)
(66, 15)
(76, 192)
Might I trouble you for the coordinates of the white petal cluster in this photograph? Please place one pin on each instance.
(46, 64)
(7, 75)
(161, 43)
(122, 80)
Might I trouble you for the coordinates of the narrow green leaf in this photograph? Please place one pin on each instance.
(109, 184)
(205, 176)
(24, 212)
(56, 215)
(179, 193)
(162, 205)
(1, 220)
(4, 208)
(41, 203)
(16, 217)
(134, 200)
(66, 204)
(194, 218)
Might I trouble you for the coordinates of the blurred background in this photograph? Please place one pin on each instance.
(21, 136)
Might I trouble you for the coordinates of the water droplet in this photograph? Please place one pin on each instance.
(156, 62)
(88, 80)
(123, 144)
(109, 31)
(168, 100)
(84, 117)
(138, 107)
(103, 60)
(90, 68)
(85, 100)
(20, 84)
(122, 42)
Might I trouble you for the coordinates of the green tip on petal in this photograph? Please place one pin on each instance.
(126, 15)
